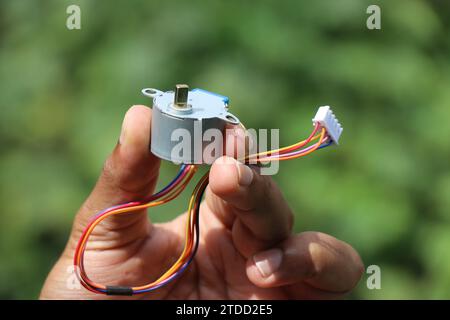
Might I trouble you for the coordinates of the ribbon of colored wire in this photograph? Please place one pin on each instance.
(170, 192)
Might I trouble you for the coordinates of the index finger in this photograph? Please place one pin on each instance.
(260, 217)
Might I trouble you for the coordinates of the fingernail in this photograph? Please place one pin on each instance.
(245, 174)
(268, 261)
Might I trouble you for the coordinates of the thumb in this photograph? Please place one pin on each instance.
(130, 173)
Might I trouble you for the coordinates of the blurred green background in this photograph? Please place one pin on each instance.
(385, 190)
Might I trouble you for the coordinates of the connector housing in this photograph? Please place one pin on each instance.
(326, 118)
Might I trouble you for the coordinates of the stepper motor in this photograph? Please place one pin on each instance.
(182, 123)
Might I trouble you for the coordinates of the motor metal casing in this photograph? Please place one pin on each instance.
(202, 111)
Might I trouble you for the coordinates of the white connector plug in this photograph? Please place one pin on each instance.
(326, 118)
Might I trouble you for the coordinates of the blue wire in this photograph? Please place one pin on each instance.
(325, 145)
(183, 166)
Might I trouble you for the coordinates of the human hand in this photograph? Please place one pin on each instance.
(247, 248)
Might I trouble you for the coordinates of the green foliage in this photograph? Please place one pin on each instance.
(385, 190)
